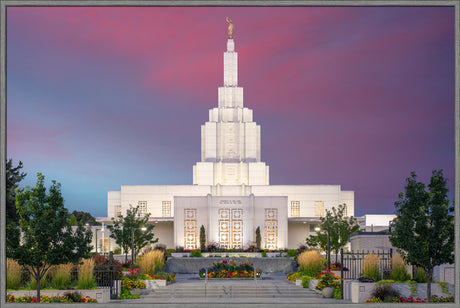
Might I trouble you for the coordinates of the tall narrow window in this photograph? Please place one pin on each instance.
(271, 228)
(117, 210)
(142, 208)
(190, 229)
(295, 208)
(166, 209)
(319, 208)
(345, 210)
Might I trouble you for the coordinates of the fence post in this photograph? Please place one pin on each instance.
(341, 272)
(111, 274)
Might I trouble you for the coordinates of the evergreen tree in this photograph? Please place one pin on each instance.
(47, 238)
(202, 238)
(423, 230)
(13, 177)
(258, 238)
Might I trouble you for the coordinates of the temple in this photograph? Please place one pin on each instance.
(231, 195)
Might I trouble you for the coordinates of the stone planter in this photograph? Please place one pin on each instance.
(328, 292)
(154, 283)
(357, 291)
(135, 291)
(313, 283)
(101, 295)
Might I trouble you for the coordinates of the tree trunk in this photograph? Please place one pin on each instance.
(429, 276)
(37, 277)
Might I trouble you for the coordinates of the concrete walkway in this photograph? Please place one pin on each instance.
(272, 290)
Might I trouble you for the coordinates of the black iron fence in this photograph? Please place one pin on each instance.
(352, 263)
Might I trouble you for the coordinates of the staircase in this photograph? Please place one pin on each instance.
(232, 289)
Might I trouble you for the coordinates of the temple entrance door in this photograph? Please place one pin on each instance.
(231, 228)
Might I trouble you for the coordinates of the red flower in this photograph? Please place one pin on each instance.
(224, 261)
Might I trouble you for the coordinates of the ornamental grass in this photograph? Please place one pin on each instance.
(371, 266)
(151, 262)
(398, 268)
(13, 274)
(85, 275)
(61, 276)
(310, 262)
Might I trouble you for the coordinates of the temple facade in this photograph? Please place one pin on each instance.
(230, 195)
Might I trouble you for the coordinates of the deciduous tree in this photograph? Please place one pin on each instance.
(340, 228)
(124, 228)
(46, 237)
(423, 230)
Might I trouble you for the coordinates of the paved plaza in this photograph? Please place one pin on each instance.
(272, 290)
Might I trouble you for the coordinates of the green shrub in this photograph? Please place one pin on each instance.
(292, 252)
(420, 275)
(117, 251)
(384, 292)
(305, 281)
(195, 253)
(264, 254)
(337, 293)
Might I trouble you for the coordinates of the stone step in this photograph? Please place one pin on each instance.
(229, 291)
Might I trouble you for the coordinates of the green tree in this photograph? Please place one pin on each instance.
(258, 238)
(13, 177)
(340, 228)
(202, 238)
(47, 239)
(126, 228)
(84, 218)
(72, 220)
(423, 230)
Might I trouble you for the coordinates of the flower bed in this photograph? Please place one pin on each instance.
(48, 299)
(229, 269)
(399, 299)
(101, 295)
(358, 292)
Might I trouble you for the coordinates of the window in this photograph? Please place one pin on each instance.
(142, 208)
(295, 208)
(117, 210)
(319, 208)
(345, 210)
(166, 209)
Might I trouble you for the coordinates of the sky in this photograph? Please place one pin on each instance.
(99, 97)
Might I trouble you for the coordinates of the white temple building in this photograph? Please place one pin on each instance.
(231, 195)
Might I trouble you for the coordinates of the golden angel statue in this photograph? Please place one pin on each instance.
(230, 27)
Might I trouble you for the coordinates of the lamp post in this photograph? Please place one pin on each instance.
(328, 245)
